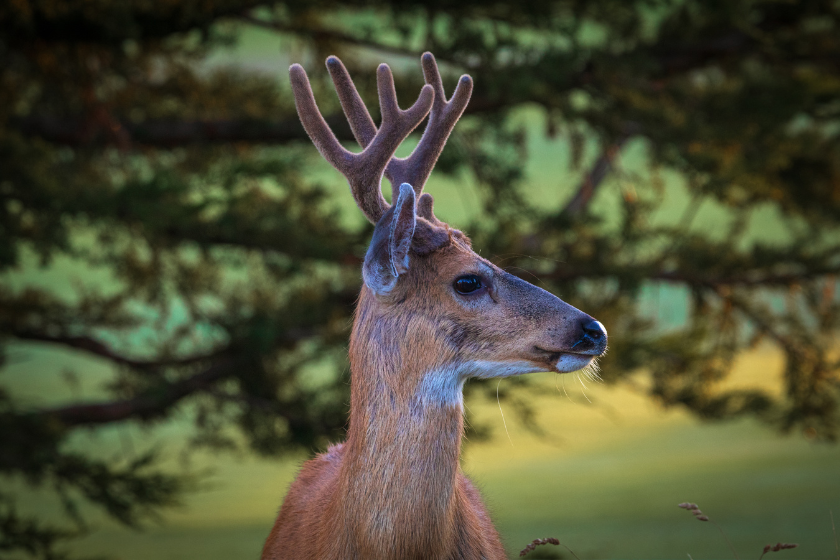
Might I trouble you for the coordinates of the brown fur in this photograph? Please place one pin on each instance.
(395, 489)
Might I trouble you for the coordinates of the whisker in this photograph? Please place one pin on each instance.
(577, 374)
(502, 412)
(534, 276)
(583, 388)
(508, 256)
(499, 259)
(592, 372)
(563, 378)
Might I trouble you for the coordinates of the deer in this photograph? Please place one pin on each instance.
(431, 314)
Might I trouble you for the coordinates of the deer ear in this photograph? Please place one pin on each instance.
(387, 256)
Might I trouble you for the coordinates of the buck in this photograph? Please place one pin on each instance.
(431, 314)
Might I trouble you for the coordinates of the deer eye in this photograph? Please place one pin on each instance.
(467, 284)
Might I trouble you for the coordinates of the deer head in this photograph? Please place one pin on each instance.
(429, 301)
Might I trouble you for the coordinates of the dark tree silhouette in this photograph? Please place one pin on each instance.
(229, 273)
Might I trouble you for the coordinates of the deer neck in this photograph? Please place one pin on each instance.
(404, 441)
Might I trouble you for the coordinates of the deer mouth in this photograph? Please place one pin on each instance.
(573, 362)
(564, 361)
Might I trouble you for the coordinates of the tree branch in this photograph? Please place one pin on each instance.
(593, 179)
(765, 326)
(97, 348)
(147, 405)
(327, 34)
(745, 279)
(171, 133)
(77, 24)
(93, 346)
(674, 58)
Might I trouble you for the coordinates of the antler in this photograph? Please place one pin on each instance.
(416, 168)
(364, 170)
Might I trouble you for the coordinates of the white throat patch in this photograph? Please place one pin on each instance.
(445, 386)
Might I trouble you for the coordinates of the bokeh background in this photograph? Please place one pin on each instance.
(178, 266)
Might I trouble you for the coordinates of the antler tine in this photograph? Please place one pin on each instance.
(313, 122)
(416, 168)
(425, 208)
(364, 170)
(354, 108)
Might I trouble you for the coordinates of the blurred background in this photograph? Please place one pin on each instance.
(178, 265)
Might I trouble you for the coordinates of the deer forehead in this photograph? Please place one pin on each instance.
(452, 261)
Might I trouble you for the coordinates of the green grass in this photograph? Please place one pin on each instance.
(605, 480)
(620, 501)
(609, 488)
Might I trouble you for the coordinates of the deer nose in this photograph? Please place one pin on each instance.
(595, 330)
(594, 339)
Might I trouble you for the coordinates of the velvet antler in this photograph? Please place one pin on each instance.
(364, 170)
(414, 169)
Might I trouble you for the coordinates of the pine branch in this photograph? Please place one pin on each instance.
(744, 279)
(593, 179)
(322, 34)
(79, 131)
(761, 320)
(93, 346)
(675, 58)
(97, 348)
(171, 133)
(76, 24)
(153, 402)
(29, 535)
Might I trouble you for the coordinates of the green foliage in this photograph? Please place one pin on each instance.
(228, 277)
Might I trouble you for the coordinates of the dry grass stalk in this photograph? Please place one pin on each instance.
(776, 548)
(550, 540)
(537, 542)
(695, 509)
